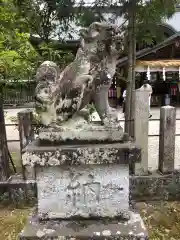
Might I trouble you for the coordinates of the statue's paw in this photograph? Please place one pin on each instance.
(84, 113)
(110, 119)
(89, 81)
(40, 107)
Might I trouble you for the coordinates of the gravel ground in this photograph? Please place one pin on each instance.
(12, 133)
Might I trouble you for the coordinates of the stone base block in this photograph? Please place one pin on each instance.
(78, 154)
(89, 133)
(134, 229)
(83, 191)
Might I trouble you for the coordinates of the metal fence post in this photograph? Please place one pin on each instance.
(167, 139)
(141, 127)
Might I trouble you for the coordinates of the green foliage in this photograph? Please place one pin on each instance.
(9, 20)
(87, 16)
(149, 16)
(18, 59)
(52, 18)
(47, 18)
(61, 57)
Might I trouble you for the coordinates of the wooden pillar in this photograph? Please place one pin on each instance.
(4, 157)
(141, 127)
(167, 139)
(26, 135)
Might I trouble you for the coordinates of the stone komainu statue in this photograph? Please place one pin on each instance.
(59, 95)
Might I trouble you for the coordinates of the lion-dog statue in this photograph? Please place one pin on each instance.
(62, 94)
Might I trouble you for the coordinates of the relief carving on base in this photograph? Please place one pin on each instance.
(81, 190)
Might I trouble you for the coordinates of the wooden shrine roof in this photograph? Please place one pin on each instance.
(145, 52)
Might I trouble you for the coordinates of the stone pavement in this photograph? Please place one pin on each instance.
(12, 133)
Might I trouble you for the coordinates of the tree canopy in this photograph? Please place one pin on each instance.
(53, 18)
(17, 56)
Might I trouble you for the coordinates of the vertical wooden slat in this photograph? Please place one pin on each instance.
(26, 132)
(4, 157)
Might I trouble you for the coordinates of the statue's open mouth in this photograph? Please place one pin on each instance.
(114, 33)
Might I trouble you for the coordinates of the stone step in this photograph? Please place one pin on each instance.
(88, 133)
(133, 229)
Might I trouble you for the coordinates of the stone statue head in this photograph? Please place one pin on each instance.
(100, 40)
(46, 76)
(97, 33)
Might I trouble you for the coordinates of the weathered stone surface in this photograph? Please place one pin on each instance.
(167, 139)
(141, 126)
(86, 133)
(122, 153)
(60, 95)
(155, 187)
(83, 191)
(133, 229)
(19, 191)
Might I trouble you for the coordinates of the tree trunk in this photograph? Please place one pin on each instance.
(131, 67)
(4, 157)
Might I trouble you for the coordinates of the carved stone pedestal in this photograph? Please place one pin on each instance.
(91, 133)
(83, 191)
(133, 229)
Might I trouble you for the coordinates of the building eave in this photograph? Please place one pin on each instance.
(145, 52)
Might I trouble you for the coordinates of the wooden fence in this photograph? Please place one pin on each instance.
(19, 95)
(144, 184)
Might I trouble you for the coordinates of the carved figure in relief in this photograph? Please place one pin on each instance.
(91, 187)
(78, 191)
(61, 95)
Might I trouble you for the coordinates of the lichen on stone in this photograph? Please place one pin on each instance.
(106, 233)
(60, 95)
